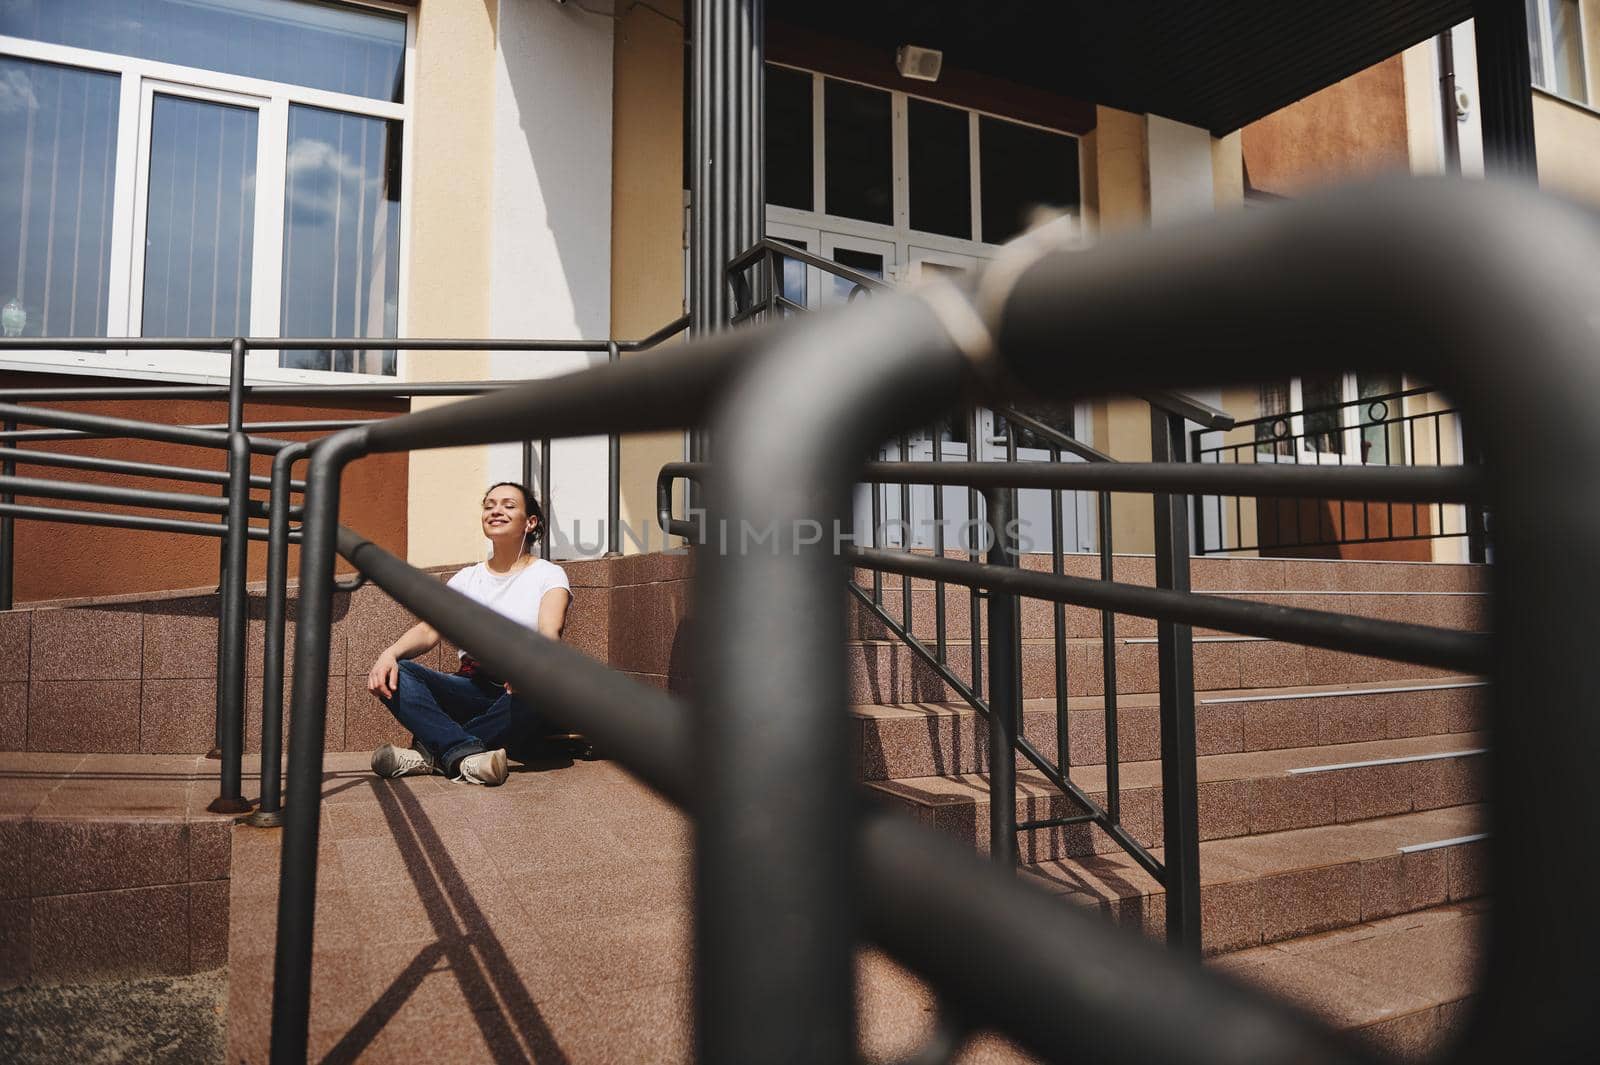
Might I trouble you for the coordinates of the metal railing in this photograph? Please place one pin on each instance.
(1178, 872)
(240, 440)
(792, 868)
(1406, 427)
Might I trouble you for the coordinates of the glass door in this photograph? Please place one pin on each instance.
(206, 240)
(875, 258)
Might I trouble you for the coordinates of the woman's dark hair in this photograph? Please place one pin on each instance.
(530, 503)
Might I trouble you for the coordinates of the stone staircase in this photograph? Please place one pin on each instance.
(1340, 797)
(548, 919)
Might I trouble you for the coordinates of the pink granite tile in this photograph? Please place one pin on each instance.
(1355, 719)
(588, 620)
(1310, 900)
(14, 863)
(1374, 791)
(1416, 1036)
(178, 716)
(1467, 870)
(13, 717)
(647, 626)
(210, 849)
(1230, 915)
(1401, 883)
(16, 941)
(367, 722)
(1219, 728)
(83, 715)
(1265, 664)
(208, 926)
(16, 630)
(1224, 809)
(1278, 723)
(87, 643)
(180, 638)
(84, 855)
(111, 934)
(1282, 802)
(373, 622)
(646, 568)
(1449, 781)
(1216, 664)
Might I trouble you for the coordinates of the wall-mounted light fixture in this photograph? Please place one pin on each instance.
(919, 64)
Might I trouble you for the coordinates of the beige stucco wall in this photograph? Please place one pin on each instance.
(647, 224)
(447, 291)
(1227, 171)
(1122, 172)
(1568, 144)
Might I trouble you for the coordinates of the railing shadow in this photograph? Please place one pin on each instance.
(516, 1030)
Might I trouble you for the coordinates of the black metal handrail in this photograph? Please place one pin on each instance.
(766, 295)
(1298, 523)
(240, 439)
(788, 866)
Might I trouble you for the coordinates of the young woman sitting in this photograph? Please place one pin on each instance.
(462, 723)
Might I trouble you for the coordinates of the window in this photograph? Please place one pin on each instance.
(1023, 171)
(940, 183)
(939, 165)
(203, 168)
(1555, 48)
(56, 175)
(857, 153)
(788, 147)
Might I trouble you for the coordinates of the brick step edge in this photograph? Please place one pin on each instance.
(1266, 908)
(956, 740)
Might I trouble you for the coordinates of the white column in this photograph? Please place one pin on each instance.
(551, 251)
(1179, 160)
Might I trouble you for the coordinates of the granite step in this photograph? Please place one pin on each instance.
(111, 868)
(1278, 885)
(932, 739)
(1404, 984)
(1219, 574)
(887, 671)
(1243, 794)
(1450, 610)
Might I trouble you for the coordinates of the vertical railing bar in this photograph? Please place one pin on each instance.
(1199, 500)
(877, 522)
(269, 813)
(1179, 788)
(230, 675)
(939, 621)
(544, 498)
(1059, 621)
(905, 536)
(1439, 459)
(8, 534)
(613, 476)
(1108, 664)
(1004, 690)
(1413, 429)
(1344, 445)
(974, 549)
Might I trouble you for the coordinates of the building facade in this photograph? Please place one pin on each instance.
(518, 168)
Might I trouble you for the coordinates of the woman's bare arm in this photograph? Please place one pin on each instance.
(385, 672)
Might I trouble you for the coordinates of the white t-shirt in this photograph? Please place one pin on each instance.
(516, 595)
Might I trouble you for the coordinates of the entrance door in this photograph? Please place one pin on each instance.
(875, 258)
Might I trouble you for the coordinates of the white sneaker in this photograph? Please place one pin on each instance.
(391, 761)
(485, 767)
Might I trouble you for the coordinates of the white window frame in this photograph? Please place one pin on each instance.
(140, 78)
(899, 233)
(1544, 80)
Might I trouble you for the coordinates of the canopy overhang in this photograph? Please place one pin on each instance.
(1216, 64)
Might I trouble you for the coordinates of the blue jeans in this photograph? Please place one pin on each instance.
(451, 716)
